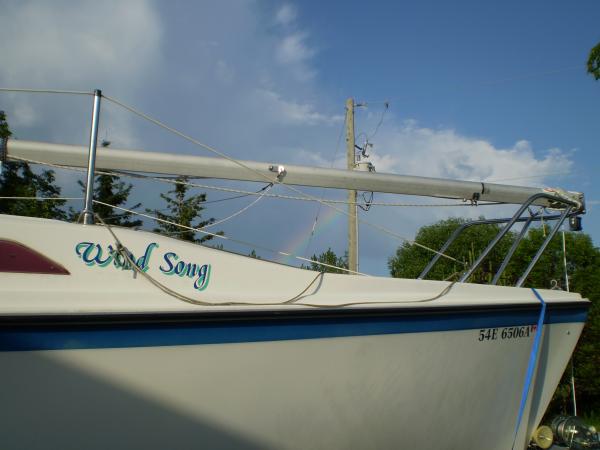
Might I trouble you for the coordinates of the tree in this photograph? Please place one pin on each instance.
(593, 62)
(328, 257)
(410, 260)
(253, 254)
(18, 180)
(183, 210)
(5, 132)
(111, 190)
(583, 266)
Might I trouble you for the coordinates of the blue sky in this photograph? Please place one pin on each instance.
(499, 70)
(477, 90)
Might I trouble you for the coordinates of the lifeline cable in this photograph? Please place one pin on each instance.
(267, 178)
(246, 193)
(41, 198)
(227, 238)
(237, 213)
(46, 91)
(385, 230)
(126, 254)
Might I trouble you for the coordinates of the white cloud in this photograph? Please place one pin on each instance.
(293, 49)
(405, 147)
(41, 40)
(293, 52)
(286, 14)
(409, 149)
(309, 158)
(224, 72)
(232, 90)
(290, 112)
(75, 45)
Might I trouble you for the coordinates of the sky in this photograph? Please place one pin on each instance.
(493, 91)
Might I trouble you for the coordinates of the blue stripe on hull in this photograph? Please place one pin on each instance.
(148, 334)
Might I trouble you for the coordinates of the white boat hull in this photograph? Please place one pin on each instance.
(443, 389)
(96, 357)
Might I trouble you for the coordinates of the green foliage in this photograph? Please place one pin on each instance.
(5, 132)
(592, 419)
(587, 355)
(111, 190)
(18, 180)
(329, 257)
(253, 254)
(593, 62)
(185, 211)
(410, 260)
(583, 263)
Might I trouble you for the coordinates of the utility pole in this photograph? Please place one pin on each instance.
(352, 211)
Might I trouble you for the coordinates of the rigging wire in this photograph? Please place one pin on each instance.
(200, 230)
(173, 180)
(217, 235)
(46, 91)
(178, 180)
(227, 238)
(337, 148)
(383, 229)
(541, 175)
(311, 198)
(572, 380)
(235, 214)
(245, 208)
(131, 212)
(235, 197)
(256, 172)
(42, 198)
(268, 179)
(126, 254)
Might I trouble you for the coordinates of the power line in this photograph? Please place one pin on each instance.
(527, 76)
(241, 164)
(386, 105)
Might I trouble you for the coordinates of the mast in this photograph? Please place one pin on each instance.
(198, 166)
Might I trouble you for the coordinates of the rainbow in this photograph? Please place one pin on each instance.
(298, 245)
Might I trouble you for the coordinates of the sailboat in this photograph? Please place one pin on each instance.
(119, 338)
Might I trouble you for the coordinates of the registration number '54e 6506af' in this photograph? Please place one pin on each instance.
(493, 334)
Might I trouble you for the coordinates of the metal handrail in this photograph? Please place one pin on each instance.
(458, 231)
(544, 245)
(512, 249)
(466, 225)
(570, 206)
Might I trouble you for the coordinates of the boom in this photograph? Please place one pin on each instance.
(209, 167)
